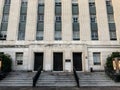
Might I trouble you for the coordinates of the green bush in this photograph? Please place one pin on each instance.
(6, 63)
(109, 67)
(109, 63)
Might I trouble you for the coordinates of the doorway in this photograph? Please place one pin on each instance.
(38, 61)
(77, 61)
(58, 61)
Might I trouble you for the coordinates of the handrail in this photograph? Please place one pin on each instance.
(76, 77)
(35, 78)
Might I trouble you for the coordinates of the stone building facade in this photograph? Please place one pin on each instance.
(59, 34)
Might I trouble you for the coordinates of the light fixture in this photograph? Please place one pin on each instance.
(116, 64)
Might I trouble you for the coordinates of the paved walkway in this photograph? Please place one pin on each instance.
(59, 88)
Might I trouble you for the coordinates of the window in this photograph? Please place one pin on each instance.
(108, 2)
(92, 4)
(7, 2)
(94, 35)
(22, 22)
(57, 35)
(22, 18)
(113, 35)
(96, 58)
(75, 9)
(110, 18)
(19, 58)
(5, 18)
(76, 35)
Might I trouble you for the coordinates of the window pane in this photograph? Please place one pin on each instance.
(96, 58)
(57, 35)
(75, 10)
(19, 58)
(39, 35)
(76, 35)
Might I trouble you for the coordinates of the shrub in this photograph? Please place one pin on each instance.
(6, 63)
(109, 67)
(109, 63)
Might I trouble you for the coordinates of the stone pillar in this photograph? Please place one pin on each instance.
(66, 20)
(102, 21)
(1, 10)
(48, 63)
(84, 19)
(31, 24)
(49, 20)
(116, 9)
(13, 22)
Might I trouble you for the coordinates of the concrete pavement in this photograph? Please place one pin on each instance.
(59, 88)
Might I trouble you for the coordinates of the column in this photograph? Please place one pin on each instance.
(13, 22)
(66, 20)
(84, 18)
(49, 20)
(103, 30)
(31, 24)
(116, 9)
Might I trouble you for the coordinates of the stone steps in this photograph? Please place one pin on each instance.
(56, 79)
(96, 79)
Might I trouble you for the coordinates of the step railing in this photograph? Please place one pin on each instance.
(35, 78)
(76, 76)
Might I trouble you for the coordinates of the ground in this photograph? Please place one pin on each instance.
(59, 88)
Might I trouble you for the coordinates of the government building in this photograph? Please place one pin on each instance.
(59, 34)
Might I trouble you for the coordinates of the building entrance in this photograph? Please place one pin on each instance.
(77, 61)
(58, 61)
(38, 57)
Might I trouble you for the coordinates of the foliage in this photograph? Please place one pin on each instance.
(109, 63)
(6, 62)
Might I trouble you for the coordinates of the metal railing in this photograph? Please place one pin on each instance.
(76, 76)
(35, 78)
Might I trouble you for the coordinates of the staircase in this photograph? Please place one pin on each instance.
(18, 79)
(95, 79)
(62, 79)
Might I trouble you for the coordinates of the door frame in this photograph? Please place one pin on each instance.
(53, 61)
(81, 60)
(34, 60)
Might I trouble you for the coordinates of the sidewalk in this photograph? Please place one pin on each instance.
(59, 88)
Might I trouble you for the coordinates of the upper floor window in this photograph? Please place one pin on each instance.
(7, 2)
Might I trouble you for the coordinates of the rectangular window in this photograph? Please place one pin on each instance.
(111, 22)
(75, 10)
(58, 8)
(40, 21)
(7, 2)
(19, 58)
(58, 21)
(5, 18)
(96, 58)
(93, 20)
(22, 22)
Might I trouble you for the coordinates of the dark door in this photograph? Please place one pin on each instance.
(58, 61)
(38, 61)
(77, 61)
